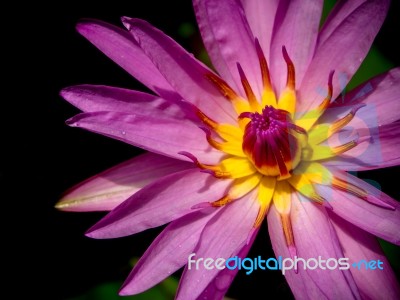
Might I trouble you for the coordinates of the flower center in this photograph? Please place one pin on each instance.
(271, 141)
(264, 150)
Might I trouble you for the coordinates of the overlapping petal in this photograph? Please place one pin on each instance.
(122, 48)
(163, 201)
(379, 97)
(384, 222)
(301, 284)
(161, 134)
(261, 16)
(111, 187)
(359, 245)
(378, 148)
(92, 98)
(224, 236)
(222, 281)
(225, 30)
(296, 28)
(343, 51)
(168, 252)
(177, 66)
(337, 15)
(314, 236)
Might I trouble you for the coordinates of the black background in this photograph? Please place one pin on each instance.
(43, 157)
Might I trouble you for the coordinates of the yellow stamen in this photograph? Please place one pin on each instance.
(242, 186)
(235, 167)
(344, 148)
(239, 188)
(302, 184)
(223, 87)
(207, 167)
(348, 187)
(232, 134)
(239, 104)
(221, 202)
(322, 132)
(268, 95)
(290, 83)
(229, 133)
(266, 190)
(265, 193)
(339, 124)
(230, 168)
(318, 152)
(231, 147)
(315, 172)
(318, 134)
(281, 197)
(309, 118)
(205, 119)
(266, 79)
(287, 100)
(254, 105)
(269, 98)
(287, 231)
(221, 174)
(210, 168)
(260, 215)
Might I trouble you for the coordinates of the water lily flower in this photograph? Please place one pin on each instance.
(266, 134)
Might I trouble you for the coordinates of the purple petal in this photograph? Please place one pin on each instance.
(297, 29)
(375, 195)
(261, 17)
(221, 283)
(343, 51)
(108, 189)
(119, 45)
(301, 284)
(380, 96)
(229, 40)
(359, 245)
(378, 149)
(380, 221)
(338, 14)
(186, 74)
(92, 98)
(210, 43)
(156, 133)
(168, 252)
(163, 201)
(314, 236)
(223, 237)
